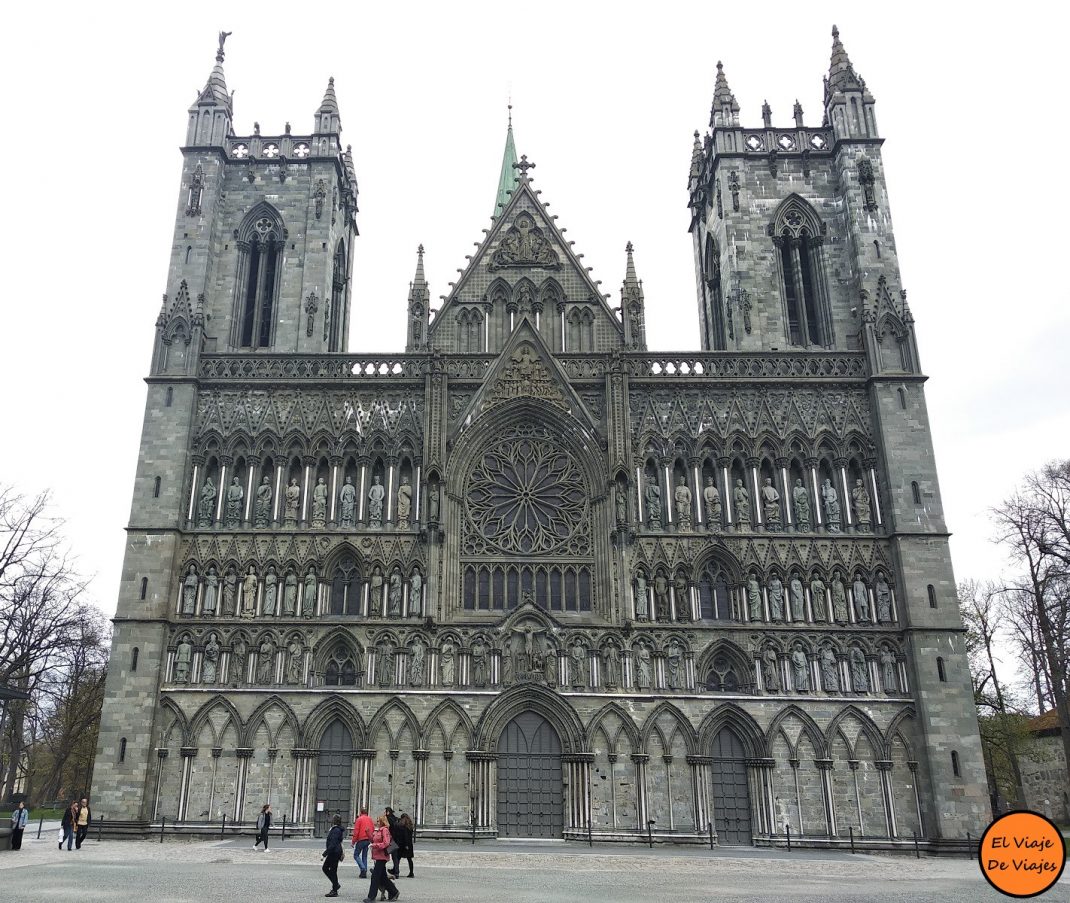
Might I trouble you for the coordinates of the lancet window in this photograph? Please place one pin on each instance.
(260, 246)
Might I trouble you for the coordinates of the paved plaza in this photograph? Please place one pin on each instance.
(119, 871)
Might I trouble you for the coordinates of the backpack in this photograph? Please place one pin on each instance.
(260, 822)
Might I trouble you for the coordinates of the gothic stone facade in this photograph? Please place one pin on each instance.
(528, 577)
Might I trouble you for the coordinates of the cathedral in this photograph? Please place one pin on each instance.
(528, 578)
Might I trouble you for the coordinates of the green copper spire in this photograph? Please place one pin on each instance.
(507, 179)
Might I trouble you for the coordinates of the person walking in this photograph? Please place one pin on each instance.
(69, 824)
(85, 819)
(405, 844)
(332, 855)
(263, 826)
(381, 841)
(392, 824)
(19, 818)
(362, 839)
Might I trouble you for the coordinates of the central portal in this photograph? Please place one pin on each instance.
(529, 779)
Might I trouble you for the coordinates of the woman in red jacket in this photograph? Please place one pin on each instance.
(380, 854)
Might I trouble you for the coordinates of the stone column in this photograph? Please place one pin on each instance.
(785, 494)
(277, 513)
(252, 465)
(640, 760)
(824, 767)
(225, 463)
(244, 754)
(698, 512)
(336, 470)
(815, 503)
(884, 769)
(578, 769)
(391, 489)
(878, 516)
(161, 758)
(362, 465)
(726, 491)
(188, 755)
(306, 490)
(364, 759)
(755, 496)
(420, 757)
(668, 508)
(846, 508)
(700, 792)
(198, 464)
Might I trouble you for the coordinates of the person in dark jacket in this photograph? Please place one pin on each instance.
(333, 855)
(19, 819)
(263, 826)
(69, 824)
(401, 832)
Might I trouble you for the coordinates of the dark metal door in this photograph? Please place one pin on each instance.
(529, 779)
(731, 793)
(334, 776)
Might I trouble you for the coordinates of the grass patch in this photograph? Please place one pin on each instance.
(35, 815)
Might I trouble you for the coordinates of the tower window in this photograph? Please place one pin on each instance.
(797, 232)
(916, 491)
(261, 242)
(144, 588)
(932, 596)
(156, 488)
(122, 750)
(940, 672)
(133, 659)
(902, 397)
(333, 327)
(955, 767)
(169, 397)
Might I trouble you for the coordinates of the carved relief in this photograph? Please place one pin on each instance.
(524, 245)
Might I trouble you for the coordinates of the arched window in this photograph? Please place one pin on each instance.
(955, 763)
(144, 588)
(932, 596)
(902, 397)
(346, 588)
(338, 293)
(941, 673)
(915, 490)
(260, 244)
(156, 488)
(727, 672)
(715, 317)
(341, 670)
(122, 750)
(798, 234)
(133, 659)
(170, 397)
(714, 595)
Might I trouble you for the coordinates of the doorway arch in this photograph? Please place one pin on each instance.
(530, 798)
(334, 776)
(731, 790)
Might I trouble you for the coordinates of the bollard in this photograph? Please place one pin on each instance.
(473, 829)
(650, 833)
(969, 844)
(163, 821)
(40, 825)
(787, 833)
(917, 852)
(590, 842)
(852, 827)
(710, 825)
(223, 827)
(100, 824)
(283, 827)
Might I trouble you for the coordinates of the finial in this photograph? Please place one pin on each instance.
(223, 35)
(835, 32)
(420, 251)
(720, 65)
(330, 82)
(628, 248)
(523, 165)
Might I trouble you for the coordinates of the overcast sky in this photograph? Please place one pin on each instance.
(606, 98)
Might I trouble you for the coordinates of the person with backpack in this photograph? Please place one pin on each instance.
(362, 839)
(332, 855)
(263, 826)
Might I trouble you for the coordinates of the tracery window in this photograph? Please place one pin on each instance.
(727, 674)
(334, 324)
(346, 588)
(260, 246)
(341, 670)
(797, 234)
(715, 595)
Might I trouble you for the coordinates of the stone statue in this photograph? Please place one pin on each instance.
(776, 599)
(479, 664)
(653, 502)
(798, 599)
(888, 675)
(524, 656)
(433, 501)
(404, 503)
(884, 600)
(183, 657)
(375, 502)
(817, 598)
(642, 668)
(262, 511)
(620, 500)
(832, 506)
(770, 669)
(771, 505)
(861, 596)
(293, 503)
(416, 664)
(271, 593)
(839, 599)
(289, 594)
(800, 502)
(682, 498)
(319, 503)
(416, 594)
(235, 494)
(577, 666)
(210, 661)
(610, 666)
(295, 661)
(446, 664)
(800, 669)
(642, 599)
(376, 601)
(673, 660)
(859, 675)
(549, 666)
(661, 596)
(211, 593)
(863, 510)
(308, 598)
(239, 656)
(386, 666)
(206, 504)
(265, 662)
(754, 598)
(741, 501)
(189, 591)
(248, 596)
(830, 678)
(711, 498)
(394, 596)
(230, 593)
(347, 499)
(683, 598)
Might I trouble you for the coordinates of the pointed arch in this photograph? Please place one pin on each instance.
(202, 715)
(333, 708)
(683, 726)
(178, 719)
(872, 732)
(261, 238)
(798, 233)
(628, 725)
(796, 216)
(379, 722)
(259, 715)
(809, 726)
(544, 702)
(746, 728)
(433, 720)
(895, 729)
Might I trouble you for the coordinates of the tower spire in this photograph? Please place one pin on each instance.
(328, 120)
(842, 75)
(632, 305)
(212, 111)
(508, 174)
(848, 103)
(725, 110)
(419, 307)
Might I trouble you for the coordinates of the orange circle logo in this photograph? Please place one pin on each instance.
(1022, 854)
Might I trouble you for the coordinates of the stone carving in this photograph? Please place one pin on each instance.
(817, 598)
(433, 501)
(798, 599)
(416, 663)
(289, 594)
(447, 665)
(235, 495)
(376, 494)
(394, 596)
(884, 600)
(404, 503)
(265, 662)
(741, 501)
(682, 598)
(312, 304)
(206, 504)
(248, 597)
(230, 593)
(800, 502)
(347, 500)
(295, 661)
(888, 675)
(375, 601)
(776, 599)
(859, 675)
(416, 594)
(211, 593)
(682, 499)
(674, 659)
(271, 593)
(620, 498)
(830, 678)
(610, 666)
(863, 511)
(861, 597)
(479, 664)
(839, 599)
(189, 591)
(262, 511)
(293, 503)
(800, 669)
(754, 598)
(236, 667)
(308, 597)
(661, 596)
(210, 661)
(183, 657)
(866, 180)
(770, 669)
(642, 668)
(578, 664)
(527, 651)
(319, 503)
(320, 196)
(652, 494)
(524, 245)
(386, 665)
(711, 499)
(642, 598)
(524, 376)
(771, 505)
(832, 506)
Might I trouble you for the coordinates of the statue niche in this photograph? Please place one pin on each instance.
(529, 656)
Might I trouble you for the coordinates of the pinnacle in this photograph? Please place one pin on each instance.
(420, 280)
(329, 103)
(841, 72)
(724, 101)
(216, 86)
(629, 274)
